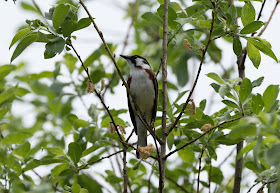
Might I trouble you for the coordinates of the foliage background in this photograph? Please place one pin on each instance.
(111, 27)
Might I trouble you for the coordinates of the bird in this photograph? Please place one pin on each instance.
(143, 85)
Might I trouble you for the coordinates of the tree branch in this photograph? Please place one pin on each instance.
(164, 100)
(194, 140)
(199, 169)
(198, 73)
(138, 112)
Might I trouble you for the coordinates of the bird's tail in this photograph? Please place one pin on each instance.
(142, 139)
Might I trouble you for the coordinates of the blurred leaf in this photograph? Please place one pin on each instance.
(187, 154)
(58, 169)
(242, 130)
(88, 183)
(216, 174)
(269, 96)
(5, 70)
(254, 55)
(75, 152)
(55, 150)
(23, 149)
(16, 138)
(76, 188)
(95, 146)
(272, 155)
(152, 18)
(59, 15)
(170, 140)
(70, 61)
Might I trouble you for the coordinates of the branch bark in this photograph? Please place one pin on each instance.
(164, 100)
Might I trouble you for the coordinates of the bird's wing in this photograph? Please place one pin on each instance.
(131, 112)
(154, 115)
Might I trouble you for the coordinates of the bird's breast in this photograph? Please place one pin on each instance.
(142, 87)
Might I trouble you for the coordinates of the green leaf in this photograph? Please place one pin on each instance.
(83, 23)
(21, 33)
(262, 47)
(257, 82)
(55, 150)
(180, 96)
(152, 18)
(80, 123)
(248, 13)
(257, 103)
(16, 138)
(245, 90)
(252, 27)
(88, 183)
(233, 13)
(242, 130)
(269, 96)
(58, 169)
(237, 46)
(187, 154)
(59, 15)
(216, 77)
(21, 92)
(170, 140)
(224, 90)
(70, 61)
(95, 146)
(254, 55)
(75, 152)
(272, 155)
(25, 42)
(23, 149)
(230, 104)
(68, 27)
(5, 70)
(216, 174)
(76, 188)
(172, 16)
(54, 47)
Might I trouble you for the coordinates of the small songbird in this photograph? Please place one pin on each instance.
(143, 85)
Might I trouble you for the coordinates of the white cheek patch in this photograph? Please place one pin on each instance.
(139, 62)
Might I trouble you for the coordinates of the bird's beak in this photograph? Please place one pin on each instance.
(125, 57)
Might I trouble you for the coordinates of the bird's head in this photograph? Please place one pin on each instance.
(136, 61)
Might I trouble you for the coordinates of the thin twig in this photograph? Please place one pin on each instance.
(194, 140)
(125, 177)
(253, 186)
(198, 73)
(170, 39)
(199, 169)
(149, 179)
(174, 182)
(226, 158)
(210, 175)
(270, 17)
(268, 182)
(100, 159)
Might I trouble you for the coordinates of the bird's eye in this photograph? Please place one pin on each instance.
(145, 62)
